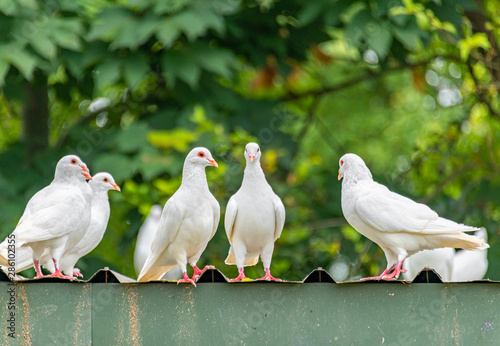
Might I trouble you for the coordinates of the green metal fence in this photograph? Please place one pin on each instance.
(111, 309)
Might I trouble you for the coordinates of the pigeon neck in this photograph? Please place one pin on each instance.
(99, 196)
(253, 171)
(65, 176)
(100, 202)
(62, 176)
(194, 175)
(354, 176)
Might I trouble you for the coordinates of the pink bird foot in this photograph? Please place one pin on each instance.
(395, 274)
(198, 271)
(239, 277)
(268, 276)
(38, 270)
(387, 275)
(77, 273)
(186, 279)
(381, 276)
(59, 274)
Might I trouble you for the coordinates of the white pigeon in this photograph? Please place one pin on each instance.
(254, 218)
(188, 222)
(145, 238)
(471, 265)
(56, 217)
(441, 260)
(400, 226)
(100, 184)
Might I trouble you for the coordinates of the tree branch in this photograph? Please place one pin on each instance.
(35, 115)
(309, 120)
(456, 173)
(291, 96)
(83, 120)
(346, 84)
(482, 98)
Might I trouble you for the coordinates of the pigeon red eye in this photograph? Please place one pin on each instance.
(341, 162)
(74, 161)
(105, 180)
(258, 149)
(201, 154)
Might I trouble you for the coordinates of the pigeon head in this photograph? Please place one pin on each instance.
(72, 165)
(252, 152)
(353, 167)
(201, 157)
(155, 212)
(103, 182)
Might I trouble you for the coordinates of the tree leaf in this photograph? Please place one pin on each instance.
(333, 14)
(167, 32)
(379, 39)
(311, 11)
(216, 60)
(132, 139)
(66, 32)
(195, 23)
(401, 19)
(4, 68)
(408, 38)
(22, 60)
(212, 20)
(134, 68)
(122, 166)
(477, 40)
(182, 66)
(43, 45)
(355, 28)
(152, 163)
(108, 23)
(8, 7)
(178, 139)
(106, 73)
(135, 32)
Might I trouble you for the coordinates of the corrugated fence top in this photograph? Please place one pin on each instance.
(107, 275)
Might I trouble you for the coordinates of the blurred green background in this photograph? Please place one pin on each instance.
(131, 86)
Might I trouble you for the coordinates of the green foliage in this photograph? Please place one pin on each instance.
(410, 86)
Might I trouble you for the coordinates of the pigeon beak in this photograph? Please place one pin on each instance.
(251, 157)
(86, 172)
(340, 175)
(213, 163)
(116, 187)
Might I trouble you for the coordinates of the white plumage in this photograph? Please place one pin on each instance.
(100, 184)
(254, 218)
(441, 260)
(188, 222)
(145, 238)
(471, 265)
(464, 265)
(56, 217)
(400, 226)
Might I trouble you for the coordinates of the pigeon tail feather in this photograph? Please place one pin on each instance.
(154, 273)
(4, 253)
(23, 257)
(465, 241)
(231, 259)
(3, 261)
(441, 224)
